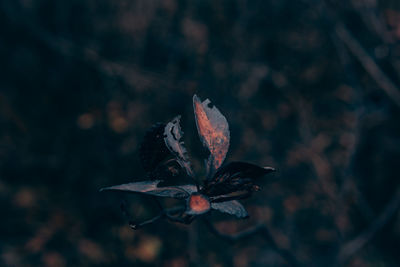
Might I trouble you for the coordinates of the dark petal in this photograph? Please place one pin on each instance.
(240, 194)
(232, 207)
(150, 188)
(213, 130)
(153, 149)
(173, 140)
(235, 176)
(243, 170)
(228, 186)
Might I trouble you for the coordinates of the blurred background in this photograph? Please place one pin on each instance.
(308, 87)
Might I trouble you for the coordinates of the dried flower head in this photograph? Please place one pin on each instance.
(163, 156)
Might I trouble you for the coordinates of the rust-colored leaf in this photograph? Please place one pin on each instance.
(173, 140)
(151, 188)
(213, 130)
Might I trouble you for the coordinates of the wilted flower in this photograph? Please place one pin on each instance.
(163, 155)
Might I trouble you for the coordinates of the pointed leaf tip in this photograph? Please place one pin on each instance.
(151, 188)
(269, 169)
(235, 177)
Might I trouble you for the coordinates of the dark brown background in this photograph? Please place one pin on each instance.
(309, 87)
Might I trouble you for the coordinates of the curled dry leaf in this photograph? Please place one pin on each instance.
(163, 155)
(213, 130)
(173, 140)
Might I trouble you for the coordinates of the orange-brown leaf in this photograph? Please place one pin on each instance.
(213, 130)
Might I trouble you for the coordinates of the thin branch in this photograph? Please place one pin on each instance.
(351, 247)
(136, 226)
(368, 63)
(319, 162)
(260, 230)
(164, 213)
(374, 20)
(359, 106)
(182, 218)
(131, 74)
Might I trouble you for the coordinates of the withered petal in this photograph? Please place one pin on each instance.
(151, 188)
(232, 207)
